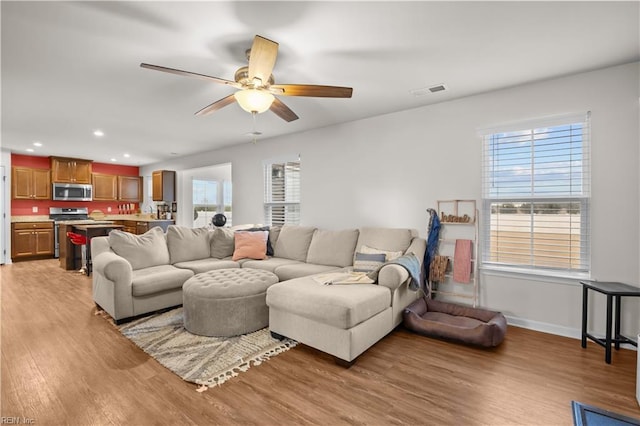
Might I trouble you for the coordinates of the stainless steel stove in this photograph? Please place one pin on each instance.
(65, 214)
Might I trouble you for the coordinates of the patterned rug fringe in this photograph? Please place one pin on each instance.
(242, 366)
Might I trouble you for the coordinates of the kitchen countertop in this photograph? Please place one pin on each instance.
(103, 219)
(34, 218)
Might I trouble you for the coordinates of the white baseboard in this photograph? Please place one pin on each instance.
(553, 329)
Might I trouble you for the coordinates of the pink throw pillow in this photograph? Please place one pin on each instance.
(251, 245)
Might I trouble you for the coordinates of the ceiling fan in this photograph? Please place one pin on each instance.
(257, 86)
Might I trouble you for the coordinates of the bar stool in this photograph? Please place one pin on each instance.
(80, 240)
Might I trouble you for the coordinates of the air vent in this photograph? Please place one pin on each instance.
(437, 88)
(426, 90)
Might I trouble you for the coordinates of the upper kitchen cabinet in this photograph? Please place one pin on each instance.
(112, 187)
(70, 170)
(105, 187)
(30, 184)
(164, 185)
(130, 188)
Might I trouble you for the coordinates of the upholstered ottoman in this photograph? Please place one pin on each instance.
(227, 302)
(450, 321)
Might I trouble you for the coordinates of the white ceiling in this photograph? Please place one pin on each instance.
(69, 68)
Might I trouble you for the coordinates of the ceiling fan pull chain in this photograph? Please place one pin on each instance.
(255, 132)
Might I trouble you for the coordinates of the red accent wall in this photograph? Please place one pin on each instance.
(25, 207)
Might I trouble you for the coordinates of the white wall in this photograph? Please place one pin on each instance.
(386, 170)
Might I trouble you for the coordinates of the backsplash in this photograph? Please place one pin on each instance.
(25, 207)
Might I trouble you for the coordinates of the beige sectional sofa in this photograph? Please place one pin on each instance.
(134, 275)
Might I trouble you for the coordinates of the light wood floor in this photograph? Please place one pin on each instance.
(61, 364)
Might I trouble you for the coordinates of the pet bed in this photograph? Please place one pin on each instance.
(459, 323)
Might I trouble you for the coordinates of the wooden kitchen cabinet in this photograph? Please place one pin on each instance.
(141, 226)
(120, 188)
(70, 170)
(30, 184)
(130, 226)
(164, 185)
(105, 187)
(130, 188)
(31, 239)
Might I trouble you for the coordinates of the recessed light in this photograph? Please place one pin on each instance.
(37, 143)
(126, 156)
(98, 133)
(29, 150)
(114, 160)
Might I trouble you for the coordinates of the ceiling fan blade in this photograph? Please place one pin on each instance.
(262, 58)
(190, 74)
(221, 103)
(283, 111)
(311, 90)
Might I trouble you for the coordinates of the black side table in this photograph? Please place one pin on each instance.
(611, 290)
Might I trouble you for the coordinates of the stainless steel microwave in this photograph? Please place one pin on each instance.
(72, 192)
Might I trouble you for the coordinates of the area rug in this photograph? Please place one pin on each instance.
(588, 415)
(206, 361)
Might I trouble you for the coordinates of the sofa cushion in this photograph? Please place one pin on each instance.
(342, 306)
(288, 272)
(388, 239)
(222, 243)
(269, 264)
(251, 245)
(187, 243)
(333, 248)
(293, 242)
(142, 251)
(204, 265)
(274, 233)
(157, 279)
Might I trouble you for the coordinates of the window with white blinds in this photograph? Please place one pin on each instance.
(282, 193)
(536, 196)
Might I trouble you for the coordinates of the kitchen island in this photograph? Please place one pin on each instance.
(89, 231)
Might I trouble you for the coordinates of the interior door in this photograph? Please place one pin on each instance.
(3, 216)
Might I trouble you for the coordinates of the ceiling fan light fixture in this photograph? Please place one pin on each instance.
(253, 100)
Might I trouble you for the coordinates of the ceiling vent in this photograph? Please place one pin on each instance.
(437, 88)
(426, 90)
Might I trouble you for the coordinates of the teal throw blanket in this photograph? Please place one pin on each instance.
(409, 262)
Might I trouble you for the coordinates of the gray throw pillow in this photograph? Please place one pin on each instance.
(142, 251)
(368, 262)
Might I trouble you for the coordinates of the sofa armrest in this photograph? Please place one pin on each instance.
(393, 276)
(113, 267)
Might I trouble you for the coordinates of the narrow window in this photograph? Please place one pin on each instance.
(282, 193)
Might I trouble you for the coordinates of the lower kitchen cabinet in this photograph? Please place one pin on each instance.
(31, 240)
(141, 226)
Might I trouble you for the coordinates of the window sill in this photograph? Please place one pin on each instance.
(533, 275)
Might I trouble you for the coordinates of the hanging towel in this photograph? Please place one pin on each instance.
(462, 261)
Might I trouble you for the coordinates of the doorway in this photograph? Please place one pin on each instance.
(3, 216)
(210, 191)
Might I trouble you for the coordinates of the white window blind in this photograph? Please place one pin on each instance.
(536, 196)
(282, 193)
